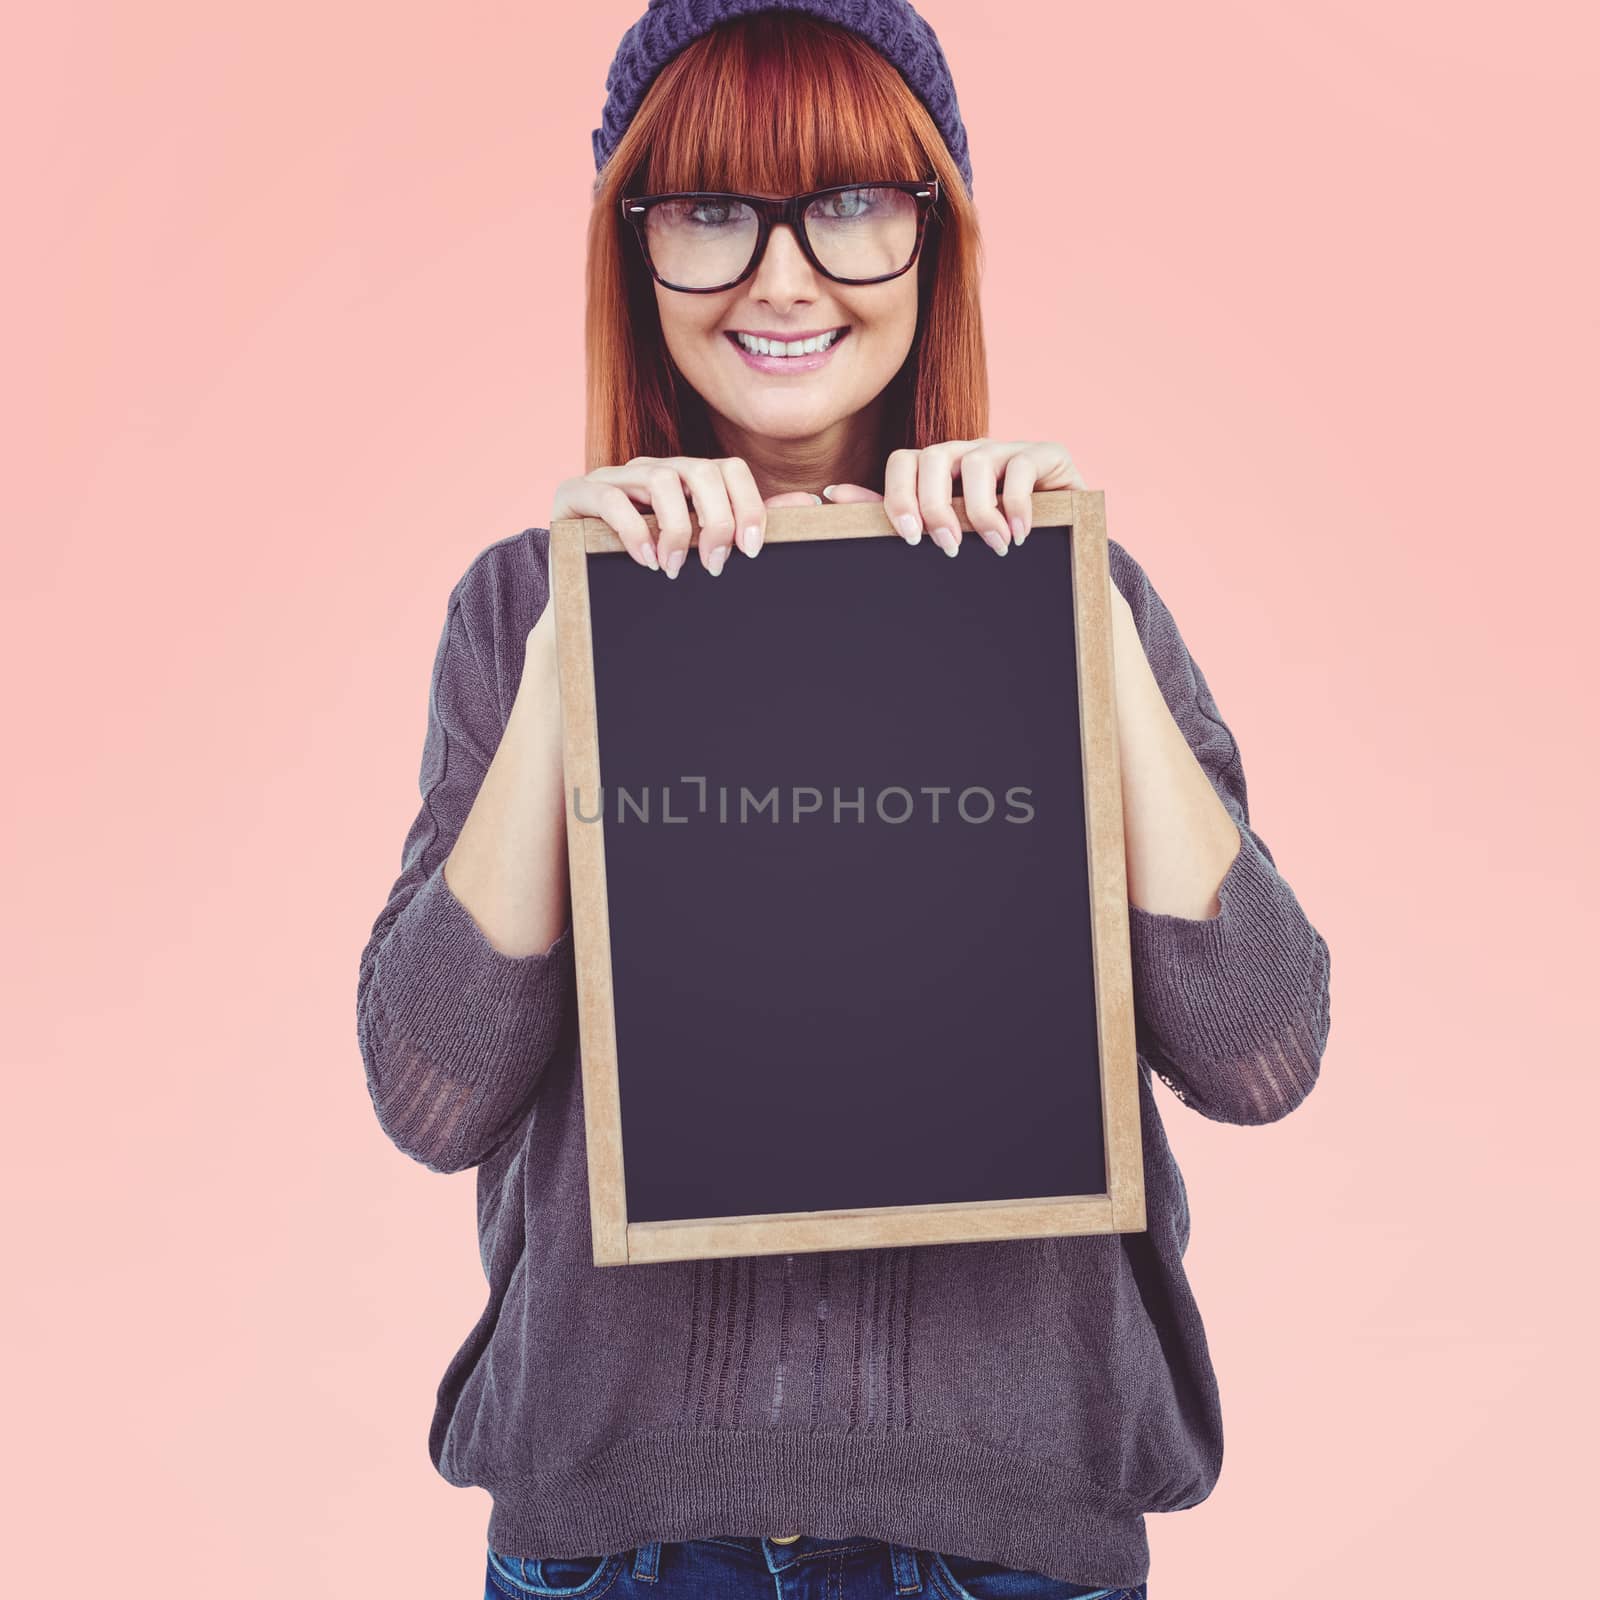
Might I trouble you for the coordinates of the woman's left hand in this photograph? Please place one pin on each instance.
(918, 489)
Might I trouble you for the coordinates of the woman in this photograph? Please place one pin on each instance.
(967, 1420)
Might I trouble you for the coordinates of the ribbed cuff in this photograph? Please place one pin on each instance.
(465, 1007)
(926, 1489)
(1218, 989)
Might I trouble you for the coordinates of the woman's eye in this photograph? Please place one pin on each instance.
(849, 204)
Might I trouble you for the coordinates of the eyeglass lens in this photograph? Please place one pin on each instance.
(700, 243)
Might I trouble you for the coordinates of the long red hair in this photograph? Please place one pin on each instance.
(777, 103)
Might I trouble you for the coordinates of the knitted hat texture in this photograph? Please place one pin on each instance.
(891, 27)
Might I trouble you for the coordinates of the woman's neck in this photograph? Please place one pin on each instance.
(846, 453)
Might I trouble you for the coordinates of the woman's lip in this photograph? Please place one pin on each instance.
(785, 365)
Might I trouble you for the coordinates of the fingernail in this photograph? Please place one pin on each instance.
(817, 498)
(827, 493)
(650, 558)
(944, 539)
(994, 541)
(910, 526)
(674, 562)
(715, 559)
(1018, 532)
(750, 541)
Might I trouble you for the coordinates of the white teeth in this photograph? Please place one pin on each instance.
(795, 347)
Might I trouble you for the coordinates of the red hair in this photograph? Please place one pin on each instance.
(777, 103)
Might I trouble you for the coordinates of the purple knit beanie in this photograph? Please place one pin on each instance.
(891, 27)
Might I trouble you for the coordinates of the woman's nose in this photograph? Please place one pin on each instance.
(784, 265)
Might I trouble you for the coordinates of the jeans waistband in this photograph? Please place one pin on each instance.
(902, 1559)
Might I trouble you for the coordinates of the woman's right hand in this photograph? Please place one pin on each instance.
(723, 489)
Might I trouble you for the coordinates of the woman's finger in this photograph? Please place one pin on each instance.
(900, 493)
(672, 515)
(935, 492)
(712, 509)
(627, 522)
(1056, 469)
(1021, 471)
(749, 511)
(604, 493)
(979, 469)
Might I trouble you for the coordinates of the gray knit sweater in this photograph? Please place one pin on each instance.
(1023, 1401)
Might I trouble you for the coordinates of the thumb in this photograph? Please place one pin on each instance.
(792, 497)
(843, 494)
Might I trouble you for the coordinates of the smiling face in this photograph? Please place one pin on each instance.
(783, 399)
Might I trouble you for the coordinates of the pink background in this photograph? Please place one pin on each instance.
(295, 331)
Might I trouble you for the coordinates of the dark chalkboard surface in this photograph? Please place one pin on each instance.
(832, 824)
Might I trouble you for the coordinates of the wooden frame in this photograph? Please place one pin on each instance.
(1121, 1208)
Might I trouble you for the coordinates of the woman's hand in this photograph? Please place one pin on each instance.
(917, 489)
(725, 497)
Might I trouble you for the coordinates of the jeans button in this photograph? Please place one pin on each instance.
(783, 1538)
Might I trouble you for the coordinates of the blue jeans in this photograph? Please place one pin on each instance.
(809, 1569)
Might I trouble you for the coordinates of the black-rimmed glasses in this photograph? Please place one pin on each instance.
(854, 233)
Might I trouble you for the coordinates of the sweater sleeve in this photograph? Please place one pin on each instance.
(1231, 1011)
(454, 1034)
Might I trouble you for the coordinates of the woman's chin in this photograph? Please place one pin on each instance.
(794, 418)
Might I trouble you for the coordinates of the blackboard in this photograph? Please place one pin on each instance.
(844, 836)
